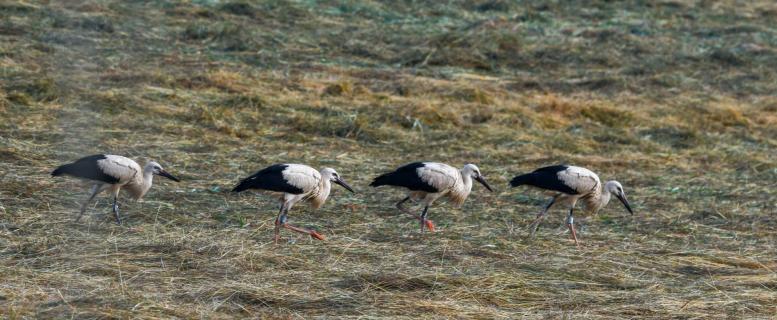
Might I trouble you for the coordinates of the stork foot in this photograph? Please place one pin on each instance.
(424, 222)
(312, 233)
(316, 235)
(428, 224)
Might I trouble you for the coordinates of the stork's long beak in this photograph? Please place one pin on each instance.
(168, 175)
(345, 185)
(622, 198)
(484, 183)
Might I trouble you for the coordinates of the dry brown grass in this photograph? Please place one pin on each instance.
(673, 99)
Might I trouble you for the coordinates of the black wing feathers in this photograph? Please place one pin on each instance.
(270, 178)
(405, 176)
(86, 168)
(545, 178)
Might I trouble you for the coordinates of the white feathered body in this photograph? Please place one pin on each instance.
(588, 186)
(315, 188)
(445, 178)
(131, 176)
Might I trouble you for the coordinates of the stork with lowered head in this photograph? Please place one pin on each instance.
(114, 173)
(429, 181)
(571, 184)
(295, 183)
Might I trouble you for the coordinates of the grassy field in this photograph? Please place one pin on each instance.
(675, 99)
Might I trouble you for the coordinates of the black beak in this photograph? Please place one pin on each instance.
(484, 183)
(169, 176)
(345, 185)
(625, 202)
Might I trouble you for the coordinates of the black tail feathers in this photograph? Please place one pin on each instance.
(63, 169)
(381, 180)
(242, 186)
(521, 180)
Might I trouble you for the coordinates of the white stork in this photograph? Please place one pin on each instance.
(114, 173)
(428, 181)
(296, 182)
(572, 184)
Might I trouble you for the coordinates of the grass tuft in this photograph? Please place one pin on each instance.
(339, 89)
(608, 116)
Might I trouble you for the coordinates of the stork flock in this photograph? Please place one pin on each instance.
(425, 183)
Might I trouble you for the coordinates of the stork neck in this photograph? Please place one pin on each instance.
(148, 178)
(604, 198)
(320, 195)
(467, 179)
(461, 189)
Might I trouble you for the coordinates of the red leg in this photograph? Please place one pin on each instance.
(426, 222)
(574, 233)
(541, 217)
(421, 218)
(311, 233)
(571, 225)
(277, 231)
(536, 223)
(403, 209)
(281, 219)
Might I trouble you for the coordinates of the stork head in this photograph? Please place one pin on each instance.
(473, 171)
(156, 169)
(615, 188)
(333, 176)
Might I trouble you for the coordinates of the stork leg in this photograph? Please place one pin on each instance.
(541, 216)
(95, 190)
(281, 219)
(116, 208)
(571, 225)
(403, 209)
(429, 224)
(424, 221)
(282, 222)
(311, 233)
